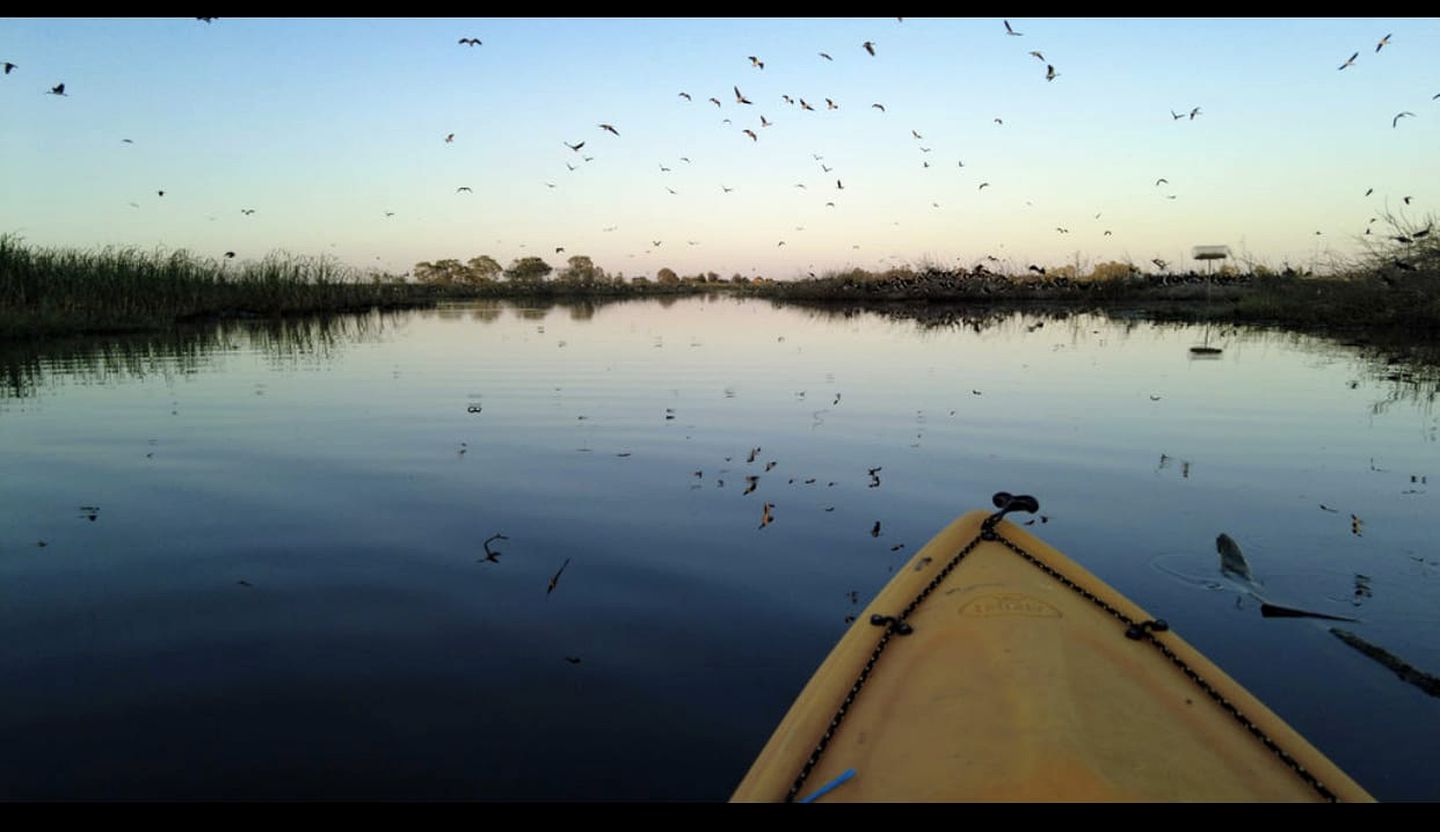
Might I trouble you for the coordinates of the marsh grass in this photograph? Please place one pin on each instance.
(54, 290)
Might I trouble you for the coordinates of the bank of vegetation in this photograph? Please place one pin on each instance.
(1394, 284)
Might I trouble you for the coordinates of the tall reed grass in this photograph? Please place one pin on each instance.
(50, 290)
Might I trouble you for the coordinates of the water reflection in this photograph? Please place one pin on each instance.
(335, 537)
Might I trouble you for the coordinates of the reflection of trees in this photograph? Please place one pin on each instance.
(581, 311)
(1409, 364)
(30, 367)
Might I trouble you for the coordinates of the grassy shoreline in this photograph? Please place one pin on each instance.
(49, 292)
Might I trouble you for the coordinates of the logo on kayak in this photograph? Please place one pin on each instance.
(1009, 603)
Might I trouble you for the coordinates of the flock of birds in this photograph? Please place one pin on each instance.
(760, 123)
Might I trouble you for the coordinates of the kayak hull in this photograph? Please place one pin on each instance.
(1016, 686)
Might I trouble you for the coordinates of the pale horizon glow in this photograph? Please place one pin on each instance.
(323, 126)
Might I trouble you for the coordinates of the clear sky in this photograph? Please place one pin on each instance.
(323, 126)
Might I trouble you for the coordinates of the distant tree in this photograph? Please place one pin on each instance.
(1111, 270)
(667, 277)
(712, 277)
(528, 270)
(482, 269)
(581, 270)
(739, 279)
(441, 272)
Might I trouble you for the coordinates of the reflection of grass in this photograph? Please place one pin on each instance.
(115, 289)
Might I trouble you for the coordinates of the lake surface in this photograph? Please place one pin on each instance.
(263, 569)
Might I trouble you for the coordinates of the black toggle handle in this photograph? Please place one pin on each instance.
(1007, 503)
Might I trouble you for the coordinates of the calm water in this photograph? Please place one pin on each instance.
(262, 573)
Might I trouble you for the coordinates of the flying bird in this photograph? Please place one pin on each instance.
(999, 121)
(248, 211)
(826, 57)
(756, 62)
(869, 47)
(831, 105)
(609, 128)
(1193, 113)
(787, 99)
(1383, 42)
(725, 189)
(1051, 74)
(983, 186)
(1036, 269)
(207, 19)
(1038, 55)
(1158, 262)
(1176, 116)
(1158, 181)
(230, 255)
(1369, 191)
(9, 67)
(715, 101)
(916, 135)
(1350, 61)
(576, 147)
(880, 107)
(751, 134)
(1395, 121)
(766, 518)
(555, 579)
(1010, 31)
(740, 99)
(58, 89)
(686, 96)
(764, 123)
(450, 138)
(470, 41)
(161, 193)
(805, 106)
(838, 185)
(559, 249)
(465, 188)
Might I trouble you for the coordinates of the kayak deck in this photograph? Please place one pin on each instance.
(1017, 683)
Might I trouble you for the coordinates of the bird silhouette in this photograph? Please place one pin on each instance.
(764, 123)
(161, 193)
(805, 106)
(756, 62)
(58, 89)
(470, 41)
(838, 185)
(450, 138)
(831, 105)
(1051, 74)
(880, 107)
(766, 518)
(826, 56)
(1350, 61)
(555, 579)
(999, 121)
(686, 96)
(464, 189)
(1176, 116)
(576, 147)
(725, 189)
(740, 99)
(983, 186)
(1010, 31)
(751, 134)
(248, 211)
(1193, 113)
(875, 529)
(869, 47)
(9, 67)
(608, 128)
(1396, 120)
(1159, 181)
(1383, 43)
(1038, 55)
